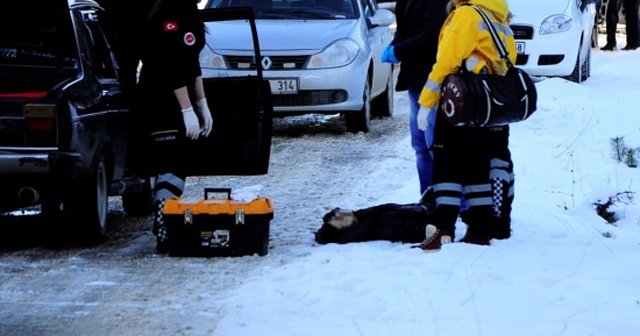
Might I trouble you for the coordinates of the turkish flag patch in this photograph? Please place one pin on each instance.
(170, 26)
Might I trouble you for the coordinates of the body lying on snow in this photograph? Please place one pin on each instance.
(393, 222)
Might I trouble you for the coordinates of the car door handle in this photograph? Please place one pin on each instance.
(108, 93)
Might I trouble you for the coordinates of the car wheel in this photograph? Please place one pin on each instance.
(87, 205)
(594, 36)
(139, 203)
(586, 66)
(382, 106)
(358, 121)
(576, 74)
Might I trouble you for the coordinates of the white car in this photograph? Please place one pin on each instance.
(320, 56)
(553, 37)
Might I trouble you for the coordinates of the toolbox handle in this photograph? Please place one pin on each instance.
(227, 191)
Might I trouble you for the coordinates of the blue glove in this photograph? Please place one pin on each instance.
(388, 55)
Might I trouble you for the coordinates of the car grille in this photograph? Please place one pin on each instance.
(268, 62)
(522, 32)
(310, 98)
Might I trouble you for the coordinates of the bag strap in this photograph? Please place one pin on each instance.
(504, 54)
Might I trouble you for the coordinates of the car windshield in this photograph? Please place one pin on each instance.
(294, 9)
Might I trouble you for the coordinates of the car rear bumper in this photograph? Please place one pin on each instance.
(25, 175)
(25, 162)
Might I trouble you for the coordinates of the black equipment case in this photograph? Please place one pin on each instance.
(222, 227)
(242, 111)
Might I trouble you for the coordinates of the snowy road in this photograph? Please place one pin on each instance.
(121, 287)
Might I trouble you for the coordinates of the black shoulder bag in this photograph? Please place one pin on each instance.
(484, 100)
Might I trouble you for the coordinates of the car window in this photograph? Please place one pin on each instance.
(294, 9)
(368, 10)
(41, 37)
(94, 48)
(37, 47)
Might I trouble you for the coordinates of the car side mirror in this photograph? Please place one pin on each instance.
(382, 17)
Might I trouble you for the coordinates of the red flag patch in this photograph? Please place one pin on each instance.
(170, 26)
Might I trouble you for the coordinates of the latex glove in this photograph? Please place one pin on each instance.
(388, 55)
(205, 116)
(426, 118)
(191, 124)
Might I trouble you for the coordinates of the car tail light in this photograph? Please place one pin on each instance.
(24, 95)
(40, 124)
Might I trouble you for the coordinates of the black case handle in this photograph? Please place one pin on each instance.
(208, 191)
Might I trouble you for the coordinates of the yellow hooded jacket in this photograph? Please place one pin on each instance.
(465, 36)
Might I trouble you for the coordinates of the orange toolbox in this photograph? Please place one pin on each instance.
(218, 226)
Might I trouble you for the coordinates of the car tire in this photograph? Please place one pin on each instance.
(87, 205)
(358, 121)
(586, 66)
(139, 203)
(576, 74)
(594, 36)
(382, 106)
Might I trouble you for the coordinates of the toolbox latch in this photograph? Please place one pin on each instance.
(188, 217)
(239, 216)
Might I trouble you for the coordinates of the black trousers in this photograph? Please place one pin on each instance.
(613, 8)
(474, 162)
(631, 13)
(631, 19)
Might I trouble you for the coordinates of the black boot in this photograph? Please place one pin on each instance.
(500, 228)
(476, 235)
(608, 47)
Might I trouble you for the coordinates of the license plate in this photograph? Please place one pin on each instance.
(520, 48)
(284, 86)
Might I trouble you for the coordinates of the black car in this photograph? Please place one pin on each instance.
(63, 117)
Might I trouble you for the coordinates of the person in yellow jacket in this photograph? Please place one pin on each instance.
(473, 162)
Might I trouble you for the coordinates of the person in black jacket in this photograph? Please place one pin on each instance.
(124, 22)
(172, 106)
(414, 46)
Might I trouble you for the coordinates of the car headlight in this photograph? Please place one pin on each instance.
(555, 24)
(339, 53)
(211, 60)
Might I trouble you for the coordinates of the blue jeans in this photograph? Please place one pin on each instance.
(421, 142)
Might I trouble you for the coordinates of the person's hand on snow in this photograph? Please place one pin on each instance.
(388, 55)
(205, 116)
(426, 118)
(191, 125)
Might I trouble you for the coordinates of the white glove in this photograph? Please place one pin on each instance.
(424, 114)
(191, 124)
(205, 116)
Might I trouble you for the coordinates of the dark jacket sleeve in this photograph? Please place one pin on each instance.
(423, 28)
(416, 40)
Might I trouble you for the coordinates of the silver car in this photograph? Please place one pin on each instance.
(320, 56)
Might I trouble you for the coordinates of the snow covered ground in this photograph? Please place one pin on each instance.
(565, 271)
